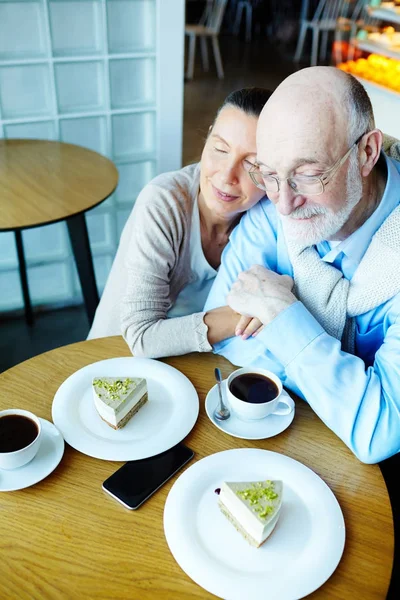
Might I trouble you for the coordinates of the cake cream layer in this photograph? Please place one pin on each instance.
(255, 505)
(114, 397)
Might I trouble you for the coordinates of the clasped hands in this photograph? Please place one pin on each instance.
(259, 295)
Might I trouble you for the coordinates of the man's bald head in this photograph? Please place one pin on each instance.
(320, 105)
(313, 169)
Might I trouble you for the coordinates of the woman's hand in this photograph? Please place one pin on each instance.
(248, 326)
(223, 323)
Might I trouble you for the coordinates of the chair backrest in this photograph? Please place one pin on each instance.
(331, 10)
(361, 16)
(213, 14)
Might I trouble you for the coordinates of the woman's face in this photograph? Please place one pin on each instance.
(229, 153)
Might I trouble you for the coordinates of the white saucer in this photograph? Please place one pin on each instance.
(46, 460)
(247, 430)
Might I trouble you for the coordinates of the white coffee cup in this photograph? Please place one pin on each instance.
(281, 404)
(18, 458)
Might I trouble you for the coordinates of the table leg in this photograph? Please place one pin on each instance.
(79, 237)
(23, 277)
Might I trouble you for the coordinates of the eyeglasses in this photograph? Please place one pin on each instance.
(301, 184)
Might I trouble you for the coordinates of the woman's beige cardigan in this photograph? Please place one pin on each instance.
(151, 267)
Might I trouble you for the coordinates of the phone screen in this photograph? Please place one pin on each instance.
(137, 480)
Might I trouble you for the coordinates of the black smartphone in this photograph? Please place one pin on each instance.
(137, 480)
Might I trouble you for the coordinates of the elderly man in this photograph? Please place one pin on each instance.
(332, 227)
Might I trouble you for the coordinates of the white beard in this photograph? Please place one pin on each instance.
(323, 223)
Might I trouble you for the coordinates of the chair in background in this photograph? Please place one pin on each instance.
(323, 21)
(208, 27)
(248, 7)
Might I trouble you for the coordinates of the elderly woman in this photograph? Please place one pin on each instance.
(172, 243)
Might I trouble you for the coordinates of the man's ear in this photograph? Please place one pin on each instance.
(370, 148)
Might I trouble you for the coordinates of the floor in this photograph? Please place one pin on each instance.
(258, 63)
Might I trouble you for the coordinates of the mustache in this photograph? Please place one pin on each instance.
(306, 212)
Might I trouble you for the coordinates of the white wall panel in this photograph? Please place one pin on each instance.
(25, 91)
(26, 18)
(88, 96)
(11, 294)
(39, 130)
(41, 243)
(132, 25)
(8, 251)
(49, 283)
(89, 132)
(103, 74)
(76, 27)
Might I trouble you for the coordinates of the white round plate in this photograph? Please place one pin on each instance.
(300, 555)
(247, 430)
(46, 460)
(167, 417)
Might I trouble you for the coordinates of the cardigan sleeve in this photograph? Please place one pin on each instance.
(156, 240)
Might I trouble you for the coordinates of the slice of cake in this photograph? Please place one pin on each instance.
(252, 507)
(117, 399)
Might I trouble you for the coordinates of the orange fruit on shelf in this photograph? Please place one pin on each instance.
(379, 69)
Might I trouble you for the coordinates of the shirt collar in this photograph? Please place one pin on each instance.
(355, 246)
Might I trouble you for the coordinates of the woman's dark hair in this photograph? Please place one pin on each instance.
(250, 100)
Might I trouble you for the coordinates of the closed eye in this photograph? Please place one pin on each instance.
(305, 176)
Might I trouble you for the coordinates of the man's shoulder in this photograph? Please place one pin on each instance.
(262, 212)
(258, 229)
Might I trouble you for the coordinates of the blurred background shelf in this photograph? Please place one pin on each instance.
(376, 48)
(389, 14)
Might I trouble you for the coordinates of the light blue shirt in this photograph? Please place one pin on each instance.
(358, 397)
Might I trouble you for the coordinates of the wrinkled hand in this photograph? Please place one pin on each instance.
(261, 293)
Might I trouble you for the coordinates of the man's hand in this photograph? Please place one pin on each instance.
(261, 293)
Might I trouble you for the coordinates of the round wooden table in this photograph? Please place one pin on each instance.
(43, 182)
(65, 538)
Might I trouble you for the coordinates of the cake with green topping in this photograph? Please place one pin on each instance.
(117, 399)
(253, 507)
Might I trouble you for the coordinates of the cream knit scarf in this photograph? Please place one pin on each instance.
(333, 300)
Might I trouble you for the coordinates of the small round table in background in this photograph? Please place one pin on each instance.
(43, 182)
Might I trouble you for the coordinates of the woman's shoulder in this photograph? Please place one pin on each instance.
(166, 204)
(183, 177)
(178, 188)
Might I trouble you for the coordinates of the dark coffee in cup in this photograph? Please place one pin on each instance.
(254, 388)
(16, 432)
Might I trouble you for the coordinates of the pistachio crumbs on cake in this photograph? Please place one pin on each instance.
(253, 507)
(117, 399)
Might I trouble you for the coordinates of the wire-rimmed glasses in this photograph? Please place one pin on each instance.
(301, 184)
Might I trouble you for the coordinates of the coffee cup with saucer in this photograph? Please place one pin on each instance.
(260, 420)
(20, 437)
(256, 393)
(29, 450)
